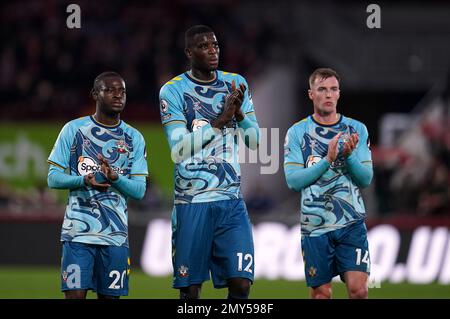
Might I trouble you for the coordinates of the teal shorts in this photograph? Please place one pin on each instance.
(335, 253)
(214, 237)
(103, 269)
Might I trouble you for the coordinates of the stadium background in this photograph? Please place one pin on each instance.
(395, 79)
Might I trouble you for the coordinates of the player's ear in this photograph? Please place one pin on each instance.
(310, 94)
(94, 94)
(188, 53)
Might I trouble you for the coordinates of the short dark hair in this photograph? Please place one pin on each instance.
(322, 73)
(193, 31)
(99, 79)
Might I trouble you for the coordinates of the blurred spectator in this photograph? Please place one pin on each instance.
(435, 192)
(6, 195)
(384, 163)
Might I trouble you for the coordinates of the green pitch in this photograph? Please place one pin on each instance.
(43, 283)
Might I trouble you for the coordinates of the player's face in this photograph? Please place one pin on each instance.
(325, 93)
(204, 52)
(112, 95)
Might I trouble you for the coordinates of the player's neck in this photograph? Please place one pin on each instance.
(109, 120)
(202, 76)
(327, 118)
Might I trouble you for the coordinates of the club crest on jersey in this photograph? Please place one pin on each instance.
(196, 124)
(122, 147)
(312, 272)
(164, 106)
(64, 275)
(183, 271)
(312, 160)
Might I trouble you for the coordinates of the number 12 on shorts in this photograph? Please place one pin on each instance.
(248, 258)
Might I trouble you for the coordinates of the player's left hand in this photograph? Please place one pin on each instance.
(106, 169)
(350, 144)
(239, 99)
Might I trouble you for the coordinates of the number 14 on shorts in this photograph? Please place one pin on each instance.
(365, 258)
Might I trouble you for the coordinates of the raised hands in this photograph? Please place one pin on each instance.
(91, 181)
(350, 144)
(239, 99)
(101, 180)
(106, 169)
(333, 149)
(232, 106)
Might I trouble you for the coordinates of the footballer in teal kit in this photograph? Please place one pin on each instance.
(102, 161)
(203, 113)
(327, 158)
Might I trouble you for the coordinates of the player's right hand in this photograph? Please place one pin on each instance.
(106, 168)
(89, 180)
(228, 111)
(333, 148)
(239, 99)
(350, 144)
(230, 105)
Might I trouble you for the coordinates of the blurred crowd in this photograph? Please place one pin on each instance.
(414, 177)
(41, 202)
(47, 69)
(31, 202)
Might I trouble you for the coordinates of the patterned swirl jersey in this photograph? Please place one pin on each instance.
(206, 165)
(333, 200)
(91, 216)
